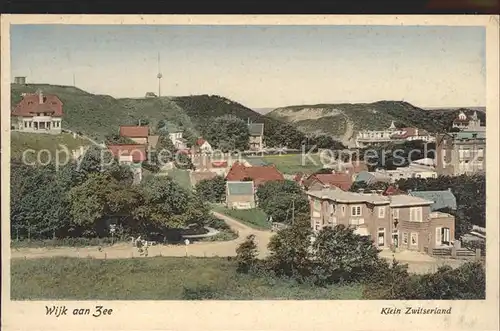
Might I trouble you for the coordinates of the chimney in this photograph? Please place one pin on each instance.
(40, 96)
(449, 189)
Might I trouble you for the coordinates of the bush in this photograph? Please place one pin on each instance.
(65, 242)
(217, 223)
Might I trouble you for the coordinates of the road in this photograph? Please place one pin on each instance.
(417, 262)
(123, 250)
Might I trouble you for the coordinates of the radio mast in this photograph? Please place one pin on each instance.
(159, 76)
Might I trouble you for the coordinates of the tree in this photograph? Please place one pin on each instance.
(246, 254)
(342, 255)
(212, 190)
(228, 133)
(165, 204)
(183, 161)
(283, 206)
(272, 188)
(390, 282)
(289, 251)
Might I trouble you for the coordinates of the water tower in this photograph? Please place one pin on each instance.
(159, 76)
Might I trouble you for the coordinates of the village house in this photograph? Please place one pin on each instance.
(202, 146)
(240, 194)
(138, 134)
(400, 222)
(256, 131)
(177, 139)
(38, 113)
(468, 123)
(459, 153)
(259, 174)
(411, 134)
(392, 134)
(318, 181)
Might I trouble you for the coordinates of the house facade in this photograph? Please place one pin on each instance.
(256, 131)
(399, 221)
(392, 134)
(203, 146)
(461, 153)
(177, 139)
(240, 194)
(38, 113)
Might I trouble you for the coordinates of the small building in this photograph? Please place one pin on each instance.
(150, 95)
(203, 146)
(177, 139)
(400, 221)
(319, 181)
(256, 131)
(411, 134)
(259, 174)
(21, 80)
(138, 134)
(440, 199)
(240, 194)
(38, 113)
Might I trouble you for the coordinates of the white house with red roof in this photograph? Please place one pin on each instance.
(203, 146)
(38, 113)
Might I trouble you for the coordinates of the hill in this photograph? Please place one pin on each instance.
(343, 121)
(101, 115)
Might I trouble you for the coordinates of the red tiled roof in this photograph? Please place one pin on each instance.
(391, 190)
(407, 132)
(219, 164)
(134, 131)
(138, 152)
(259, 174)
(342, 181)
(200, 141)
(30, 105)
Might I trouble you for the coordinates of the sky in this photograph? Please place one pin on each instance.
(260, 66)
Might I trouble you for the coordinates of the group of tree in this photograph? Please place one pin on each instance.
(282, 200)
(82, 198)
(393, 155)
(339, 256)
(212, 190)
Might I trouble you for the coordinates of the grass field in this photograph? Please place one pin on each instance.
(181, 176)
(158, 278)
(293, 163)
(52, 143)
(255, 218)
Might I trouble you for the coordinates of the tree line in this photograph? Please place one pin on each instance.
(82, 199)
(339, 256)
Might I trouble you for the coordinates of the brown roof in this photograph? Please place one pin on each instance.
(259, 174)
(342, 181)
(30, 105)
(134, 131)
(138, 152)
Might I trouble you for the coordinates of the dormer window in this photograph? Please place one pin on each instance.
(30, 102)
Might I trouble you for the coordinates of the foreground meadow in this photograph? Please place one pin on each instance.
(157, 278)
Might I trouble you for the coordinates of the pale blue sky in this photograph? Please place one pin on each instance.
(261, 66)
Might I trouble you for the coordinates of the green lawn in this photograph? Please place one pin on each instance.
(52, 143)
(293, 163)
(156, 278)
(181, 176)
(255, 218)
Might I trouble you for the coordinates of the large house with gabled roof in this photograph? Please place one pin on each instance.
(38, 113)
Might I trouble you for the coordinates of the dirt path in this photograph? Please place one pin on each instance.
(122, 250)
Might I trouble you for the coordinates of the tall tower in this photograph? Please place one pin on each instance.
(159, 76)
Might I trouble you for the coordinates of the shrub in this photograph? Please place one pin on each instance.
(202, 292)
(246, 254)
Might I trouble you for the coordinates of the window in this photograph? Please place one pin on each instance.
(445, 236)
(381, 236)
(353, 221)
(405, 238)
(414, 239)
(356, 211)
(395, 213)
(381, 212)
(416, 214)
(316, 205)
(343, 210)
